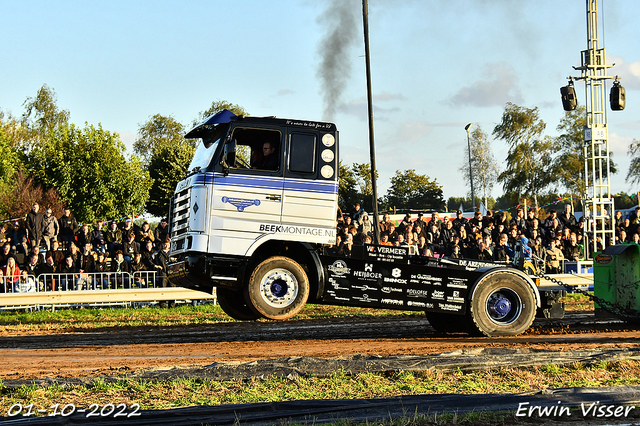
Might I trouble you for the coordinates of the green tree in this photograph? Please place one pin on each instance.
(348, 193)
(157, 132)
(410, 190)
(93, 177)
(41, 118)
(483, 164)
(633, 175)
(167, 166)
(528, 170)
(217, 106)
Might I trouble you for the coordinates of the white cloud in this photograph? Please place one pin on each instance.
(499, 87)
(629, 72)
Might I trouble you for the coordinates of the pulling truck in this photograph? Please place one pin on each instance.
(263, 238)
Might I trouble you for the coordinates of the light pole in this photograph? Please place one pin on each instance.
(473, 197)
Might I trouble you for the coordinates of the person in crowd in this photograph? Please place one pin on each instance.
(101, 269)
(68, 227)
(130, 246)
(537, 252)
(346, 246)
(519, 220)
(84, 235)
(488, 220)
(32, 266)
(535, 226)
(136, 267)
(548, 222)
(97, 234)
(120, 269)
(51, 228)
(127, 228)
(356, 214)
(635, 238)
(634, 218)
(11, 273)
(366, 226)
(488, 244)
(500, 229)
(384, 239)
(455, 252)
(393, 233)
(35, 225)
(618, 221)
(25, 284)
(69, 271)
(476, 220)
(435, 220)
(503, 252)
(406, 221)
(484, 253)
(513, 236)
(87, 260)
(113, 238)
(419, 231)
(384, 223)
(144, 233)
(553, 257)
(447, 232)
(162, 230)
(6, 253)
(501, 218)
(74, 252)
(555, 229)
(459, 221)
(46, 278)
(567, 219)
(57, 254)
(423, 223)
(4, 233)
(400, 242)
(531, 215)
(19, 239)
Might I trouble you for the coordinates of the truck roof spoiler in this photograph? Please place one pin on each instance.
(224, 116)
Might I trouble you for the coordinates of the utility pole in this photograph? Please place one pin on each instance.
(599, 208)
(473, 196)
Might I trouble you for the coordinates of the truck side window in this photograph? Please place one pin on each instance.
(302, 153)
(255, 148)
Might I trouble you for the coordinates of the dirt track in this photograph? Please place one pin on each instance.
(124, 350)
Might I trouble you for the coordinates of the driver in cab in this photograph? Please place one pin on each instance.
(269, 159)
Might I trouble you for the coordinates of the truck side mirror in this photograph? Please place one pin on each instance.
(229, 155)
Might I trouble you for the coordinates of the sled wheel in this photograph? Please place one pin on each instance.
(503, 305)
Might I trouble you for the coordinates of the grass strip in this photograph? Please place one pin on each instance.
(184, 392)
(67, 320)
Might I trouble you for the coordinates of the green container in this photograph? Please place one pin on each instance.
(616, 275)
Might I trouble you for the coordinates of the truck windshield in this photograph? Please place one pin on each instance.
(205, 151)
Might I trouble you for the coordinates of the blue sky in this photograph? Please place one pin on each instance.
(436, 66)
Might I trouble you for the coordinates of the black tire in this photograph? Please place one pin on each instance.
(503, 304)
(234, 305)
(278, 288)
(447, 323)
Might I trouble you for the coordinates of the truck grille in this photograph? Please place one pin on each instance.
(179, 214)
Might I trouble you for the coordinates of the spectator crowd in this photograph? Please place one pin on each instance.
(43, 245)
(546, 241)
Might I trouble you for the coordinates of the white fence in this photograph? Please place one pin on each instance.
(93, 289)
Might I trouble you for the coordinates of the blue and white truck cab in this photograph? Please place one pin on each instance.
(257, 209)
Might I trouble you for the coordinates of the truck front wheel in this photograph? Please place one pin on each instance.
(234, 305)
(278, 288)
(503, 304)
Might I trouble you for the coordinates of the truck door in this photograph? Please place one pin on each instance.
(248, 194)
(311, 185)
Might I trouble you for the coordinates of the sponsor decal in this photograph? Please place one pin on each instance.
(367, 275)
(416, 304)
(426, 277)
(455, 298)
(392, 302)
(414, 292)
(457, 283)
(365, 298)
(448, 307)
(391, 290)
(368, 267)
(604, 259)
(429, 305)
(395, 280)
(437, 294)
(345, 299)
(298, 230)
(364, 287)
(336, 286)
(240, 203)
(339, 267)
(396, 272)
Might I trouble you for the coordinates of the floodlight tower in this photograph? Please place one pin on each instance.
(598, 200)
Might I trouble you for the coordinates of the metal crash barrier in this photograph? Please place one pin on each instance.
(94, 289)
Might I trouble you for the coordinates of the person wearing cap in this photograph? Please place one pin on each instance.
(68, 227)
(459, 221)
(35, 225)
(423, 223)
(356, 214)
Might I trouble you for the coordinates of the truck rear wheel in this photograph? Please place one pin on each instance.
(234, 305)
(447, 323)
(278, 288)
(503, 305)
